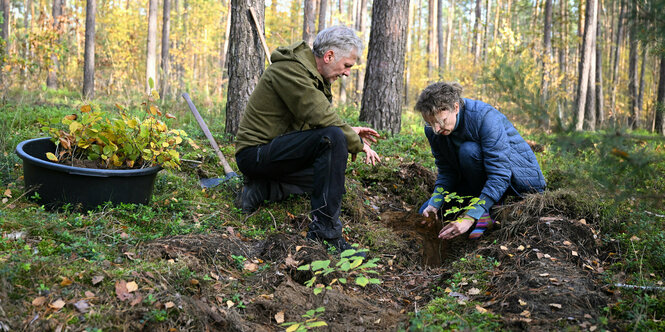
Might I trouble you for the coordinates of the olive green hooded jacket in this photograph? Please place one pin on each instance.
(290, 96)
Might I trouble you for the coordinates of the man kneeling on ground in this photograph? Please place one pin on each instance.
(291, 141)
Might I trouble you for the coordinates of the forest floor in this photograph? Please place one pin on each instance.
(191, 261)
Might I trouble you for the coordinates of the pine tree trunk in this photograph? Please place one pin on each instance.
(585, 62)
(323, 11)
(151, 52)
(634, 116)
(563, 63)
(441, 40)
(431, 39)
(600, 101)
(640, 93)
(52, 77)
(308, 27)
(449, 37)
(246, 59)
(617, 59)
(89, 57)
(381, 104)
(408, 58)
(660, 99)
(590, 107)
(4, 35)
(547, 50)
(224, 51)
(483, 50)
(475, 47)
(360, 73)
(166, 63)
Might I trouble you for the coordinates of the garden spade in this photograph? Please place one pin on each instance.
(229, 173)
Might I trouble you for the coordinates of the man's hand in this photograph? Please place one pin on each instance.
(455, 228)
(371, 157)
(368, 135)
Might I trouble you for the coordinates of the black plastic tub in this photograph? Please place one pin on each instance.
(84, 188)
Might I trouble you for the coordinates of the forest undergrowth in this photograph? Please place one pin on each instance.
(586, 254)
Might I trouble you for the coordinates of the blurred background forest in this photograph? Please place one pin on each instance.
(526, 57)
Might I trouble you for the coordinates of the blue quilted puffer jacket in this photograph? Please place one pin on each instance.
(508, 159)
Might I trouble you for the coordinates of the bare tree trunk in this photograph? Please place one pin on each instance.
(52, 77)
(495, 30)
(89, 57)
(246, 59)
(409, 36)
(165, 64)
(563, 62)
(4, 35)
(151, 52)
(308, 26)
(547, 50)
(441, 40)
(475, 46)
(488, 7)
(381, 104)
(617, 59)
(634, 117)
(660, 100)
(449, 35)
(640, 93)
(323, 11)
(590, 108)
(600, 100)
(360, 73)
(585, 62)
(224, 51)
(431, 40)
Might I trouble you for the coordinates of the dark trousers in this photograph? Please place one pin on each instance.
(311, 161)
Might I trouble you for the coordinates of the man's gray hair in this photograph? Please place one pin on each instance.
(342, 40)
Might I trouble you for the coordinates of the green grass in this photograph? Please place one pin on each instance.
(622, 176)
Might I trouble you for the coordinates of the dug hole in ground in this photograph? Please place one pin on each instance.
(546, 275)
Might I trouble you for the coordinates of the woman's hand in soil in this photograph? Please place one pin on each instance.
(455, 228)
(431, 214)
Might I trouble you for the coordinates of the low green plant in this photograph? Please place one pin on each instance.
(312, 321)
(116, 140)
(349, 265)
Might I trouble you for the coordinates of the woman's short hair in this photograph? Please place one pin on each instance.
(440, 96)
(342, 40)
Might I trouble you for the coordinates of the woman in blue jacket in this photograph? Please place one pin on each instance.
(478, 153)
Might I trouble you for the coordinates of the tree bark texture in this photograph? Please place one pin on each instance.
(151, 52)
(617, 59)
(547, 50)
(441, 40)
(360, 73)
(660, 99)
(309, 18)
(246, 59)
(634, 116)
(431, 39)
(449, 35)
(166, 44)
(323, 11)
(52, 77)
(382, 102)
(640, 92)
(89, 57)
(475, 47)
(590, 107)
(585, 62)
(600, 99)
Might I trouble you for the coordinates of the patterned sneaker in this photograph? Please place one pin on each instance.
(482, 225)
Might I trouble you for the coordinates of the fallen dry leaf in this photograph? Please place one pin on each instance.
(7, 193)
(57, 305)
(229, 304)
(66, 282)
(250, 267)
(504, 248)
(132, 286)
(214, 275)
(539, 255)
(291, 262)
(121, 290)
(522, 303)
(38, 301)
(279, 317)
(136, 300)
(544, 274)
(555, 305)
(520, 248)
(481, 309)
(574, 253)
(89, 294)
(169, 305)
(474, 291)
(5, 200)
(82, 306)
(566, 243)
(298, 248)
(97, 279)
(525, 313)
